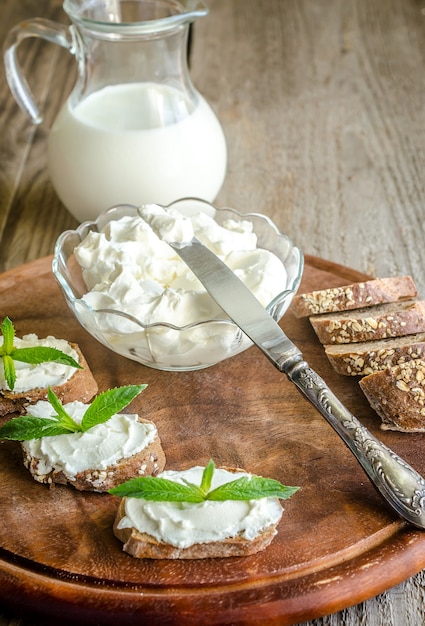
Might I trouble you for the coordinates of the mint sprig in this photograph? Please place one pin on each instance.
(160, 489)
(33, 355)
(103, 407)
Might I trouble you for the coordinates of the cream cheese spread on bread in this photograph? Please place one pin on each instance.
(183, 525)
(30, 376)
(100, 447)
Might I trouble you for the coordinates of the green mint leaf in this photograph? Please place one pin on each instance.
(61, 415)
(32, 427)
(29, 427)
(43, 354)
(9, 371)
(108, 403)
(207, 477)
(251, 488)
(159, 490)
(8, 332)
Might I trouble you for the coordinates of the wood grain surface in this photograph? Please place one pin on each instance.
(322, 103)
(337, 543)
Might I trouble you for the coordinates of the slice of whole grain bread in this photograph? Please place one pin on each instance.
(354, 296)
(371, 323)
(361, 359)
(397, 394)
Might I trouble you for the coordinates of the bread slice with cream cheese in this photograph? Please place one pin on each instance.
(211, 529)
(98, 459)
(144, 546)
(68, 383)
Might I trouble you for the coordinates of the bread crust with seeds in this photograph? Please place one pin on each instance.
(80, 386)
(397, 394)
(355, 296)
(371, 323)
(362, 359)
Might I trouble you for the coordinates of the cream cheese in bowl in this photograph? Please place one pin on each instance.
(128, 288)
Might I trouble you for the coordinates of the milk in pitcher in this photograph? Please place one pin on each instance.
(123, 145)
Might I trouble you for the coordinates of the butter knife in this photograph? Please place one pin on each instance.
(399, 484)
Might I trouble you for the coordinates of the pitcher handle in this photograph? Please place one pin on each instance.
(37, 27)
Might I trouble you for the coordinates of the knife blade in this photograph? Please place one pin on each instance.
(399, 484)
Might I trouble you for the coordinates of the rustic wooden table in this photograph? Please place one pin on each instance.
(322, 104)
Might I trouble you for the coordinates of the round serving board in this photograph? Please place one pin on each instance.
(338, 543)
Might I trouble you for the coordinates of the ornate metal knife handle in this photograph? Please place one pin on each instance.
(397, 482)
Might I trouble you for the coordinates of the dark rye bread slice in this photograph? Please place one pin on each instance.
(148, 462)
(355, 296)
(397, 394)
(81, 386)
(362, 359)
(371, 323)
(145, 546)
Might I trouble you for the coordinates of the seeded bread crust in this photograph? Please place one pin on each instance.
(355, 296)
(81, 386)
(371, 323)
(144, 546)
(147, 462)
(397, 394)
(362, 359)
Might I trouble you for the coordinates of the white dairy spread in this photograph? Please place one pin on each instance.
(129, 267)
(98, 448)
(185, 524)
(31, 376)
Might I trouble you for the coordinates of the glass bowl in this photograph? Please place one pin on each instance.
(163, 345)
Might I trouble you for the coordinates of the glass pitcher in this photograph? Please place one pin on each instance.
(134, 130)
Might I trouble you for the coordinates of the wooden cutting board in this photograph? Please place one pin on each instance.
(338, 543)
